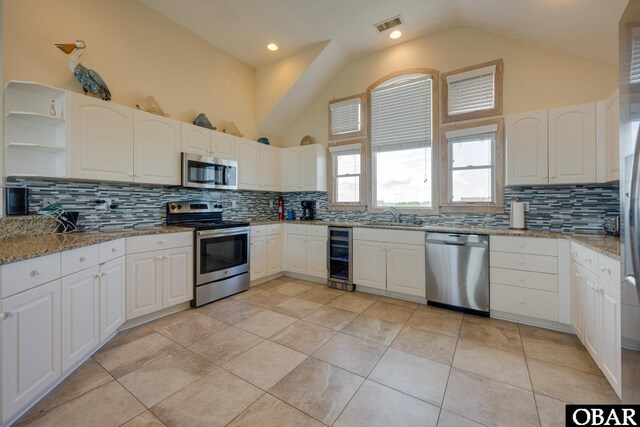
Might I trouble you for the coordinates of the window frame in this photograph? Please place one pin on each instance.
(435, 131)
(497, 206)
(497, 93)
(363, 118)
(361, 205)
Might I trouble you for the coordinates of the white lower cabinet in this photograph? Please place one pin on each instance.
(610, 338)
(80, 315)
(577, 299)
(266, 251)
(306, 249)
(112, 299)
(381, 260)
(258, 257)
(30, 345)
(159, 278)
(274, 254)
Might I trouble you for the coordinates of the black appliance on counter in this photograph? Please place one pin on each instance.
(17, 201)
(221, 249)
(308, 210)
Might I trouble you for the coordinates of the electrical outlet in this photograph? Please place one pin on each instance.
(48, 201)
(271, 203)
(526, 206)
(234, 204)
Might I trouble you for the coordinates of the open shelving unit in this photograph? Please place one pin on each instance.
(35, 141)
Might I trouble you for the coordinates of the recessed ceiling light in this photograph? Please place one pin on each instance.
(395, 34)
(272, 47)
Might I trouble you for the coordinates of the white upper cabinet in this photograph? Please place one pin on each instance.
(270, 167)
(223, 145)
(527, 148)
(248, 157)
(572, 144)
(196, 139)
(608, 138)
(305, 168)
(101, 139)
(156, 149)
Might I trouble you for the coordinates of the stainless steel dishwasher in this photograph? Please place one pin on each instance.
(458, 271)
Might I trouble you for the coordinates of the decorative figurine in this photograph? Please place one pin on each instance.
(150, 105)
(52, 111)
(91, 81)
(232, 129)
(308, 140)
(202, 121)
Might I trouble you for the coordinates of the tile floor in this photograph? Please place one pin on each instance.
(295, 353)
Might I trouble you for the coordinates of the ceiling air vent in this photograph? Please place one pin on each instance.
(389, 23)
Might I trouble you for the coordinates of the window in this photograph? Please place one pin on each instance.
(473, 159)
(402, 122)
(346, 164)
(346, 118)
(473, 92)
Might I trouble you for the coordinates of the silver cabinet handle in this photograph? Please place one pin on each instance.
(634, 212)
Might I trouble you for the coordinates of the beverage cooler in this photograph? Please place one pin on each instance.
(339, 258)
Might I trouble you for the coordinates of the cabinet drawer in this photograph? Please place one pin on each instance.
(524, 245)
(390, 236)
(537, 263)
(525, 302)
(23, 275)
(525, 279)
(274, 229)
(80, 259)
(590, 260)
(158, 241)
(317, 230)
(296, 229)
(112, 250)
(258, 230)
(576, 252)
(609, 271)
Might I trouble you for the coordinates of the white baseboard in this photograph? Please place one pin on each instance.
(154, 316)
(266, 279)
(305, 277)
(532, 321)
(385, 293)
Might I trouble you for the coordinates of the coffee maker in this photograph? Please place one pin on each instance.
(308, 210)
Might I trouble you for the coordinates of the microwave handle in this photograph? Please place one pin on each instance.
(227, 171)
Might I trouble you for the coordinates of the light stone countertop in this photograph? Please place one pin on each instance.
(606, 245)
(21, 248)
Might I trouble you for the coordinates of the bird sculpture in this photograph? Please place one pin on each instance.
(91, 81)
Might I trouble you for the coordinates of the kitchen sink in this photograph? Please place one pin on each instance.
(390, 224)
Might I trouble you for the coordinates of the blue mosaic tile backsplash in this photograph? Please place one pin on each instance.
(565, 208)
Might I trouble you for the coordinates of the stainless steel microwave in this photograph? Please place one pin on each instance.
(209, 172)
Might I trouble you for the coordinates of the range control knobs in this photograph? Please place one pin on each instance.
(172, 206)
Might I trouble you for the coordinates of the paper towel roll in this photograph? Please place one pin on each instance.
(517, 215)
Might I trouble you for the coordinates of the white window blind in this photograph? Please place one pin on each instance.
(471, 91)
(634, 72)
(401, 114)
(345, 117)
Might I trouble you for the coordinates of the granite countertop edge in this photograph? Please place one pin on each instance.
(24, 248)
(604, 244)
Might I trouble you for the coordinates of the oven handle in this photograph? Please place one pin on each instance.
(223, 232)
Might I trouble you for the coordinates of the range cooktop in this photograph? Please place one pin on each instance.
(200, 214)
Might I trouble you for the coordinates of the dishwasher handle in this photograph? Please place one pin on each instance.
(444, 242)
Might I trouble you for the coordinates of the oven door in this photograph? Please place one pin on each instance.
(208, 172)
(221, 254)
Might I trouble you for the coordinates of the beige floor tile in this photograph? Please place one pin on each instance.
(373, 329)
(225, 345)
(489, 402)
(265, 364)
(449, 419)
(126, 336)
(330, 317)
(366, 295)
(107, 405)
(271, 412)
(377, 405)
(534, 332)
(318, 389)
(320, 294)
(389, 312)
(213, 400)
(88, 376)
(172, 319)
(146, 419)
(440, 321)
(158, 380)
(230, 311)
(430, 345)
(492, 333)
(273, 300)
(266, 323)
(569, 385)
(292, 288)
(259, 297)
(133, 355)
(421, 378)
(193, 329)
(351, 353)
(399, 302)
(304, 336)
(551, 411)
(351, 302)
(560, 353)
(296, 307)
(499, 365)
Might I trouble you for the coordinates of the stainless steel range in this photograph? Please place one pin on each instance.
(221, 249)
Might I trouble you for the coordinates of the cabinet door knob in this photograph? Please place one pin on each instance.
(522, 301)
(157, 258)
(522, 279)
(36, 272)
(114, 250)
(521, 262)
(97, 275)
(521, 245)
(83, 259)
(162, 242)
(12, 313)
(3, 316)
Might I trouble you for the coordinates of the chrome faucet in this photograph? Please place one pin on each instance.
(395, 212)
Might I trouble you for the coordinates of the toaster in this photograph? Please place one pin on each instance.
(612, 225)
